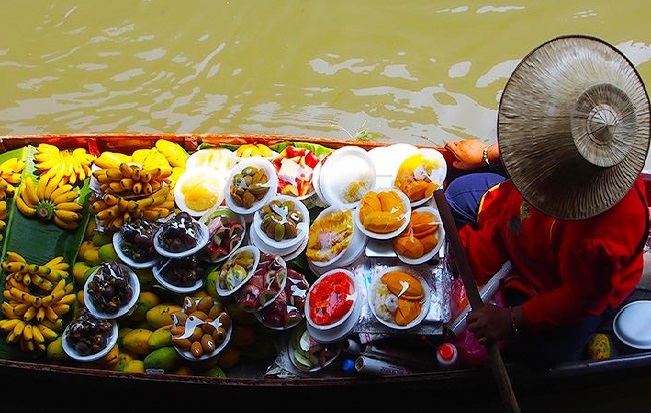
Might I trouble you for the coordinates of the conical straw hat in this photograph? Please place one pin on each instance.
(573, 127)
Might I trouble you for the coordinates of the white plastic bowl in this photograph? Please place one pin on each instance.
(212, 180)
(354, 296)
(117, 243)
(631, 324)
(212, 215)
(186, 354)
(437, 175)
(134, 283)
(357, 237)
(347, 167)
(272, 183)
(387, 160)
(284, 246)
(70, 351)
(224, 292)
(156, 271)
(389, 235)
(202, 240)
(440, 234)
(425, 302)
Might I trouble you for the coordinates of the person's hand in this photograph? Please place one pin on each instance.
(468, 153)
(490, 323)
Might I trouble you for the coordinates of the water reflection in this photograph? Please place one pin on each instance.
(412, 72)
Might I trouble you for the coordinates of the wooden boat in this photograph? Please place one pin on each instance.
(625, 364)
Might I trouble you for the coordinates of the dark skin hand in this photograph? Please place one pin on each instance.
(491, 323)
(469, 154)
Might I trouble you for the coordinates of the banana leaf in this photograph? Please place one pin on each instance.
(38, 241)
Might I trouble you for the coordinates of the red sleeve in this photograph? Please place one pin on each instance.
(483, 246)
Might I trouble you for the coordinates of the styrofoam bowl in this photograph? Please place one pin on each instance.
(355, 296)
(285, 245)
(425, 302)
(389, 235)
(348, 173)
(225, 292)
(202, 239)
(134, 283)
(272, 184)
(70, 351)
(212, 182)
(440, 234)
(357, 237)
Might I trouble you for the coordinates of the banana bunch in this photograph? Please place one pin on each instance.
(3, 218)
(132, 179)
(252, 149)
(43, 278)
(114, 210)
(147, 158)
(70, 166)
(51, 199)
(10, 175)
(33, 308)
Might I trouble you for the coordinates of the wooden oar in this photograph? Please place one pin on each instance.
(468, 279)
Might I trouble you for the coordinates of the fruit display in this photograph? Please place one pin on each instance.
(398, 298)
(179, 292)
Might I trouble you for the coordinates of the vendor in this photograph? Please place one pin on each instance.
(561, 199)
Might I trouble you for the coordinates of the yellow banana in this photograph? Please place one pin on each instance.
(37, 335)
(107, 213)
(69, 196)
(67, 215)
(40, 314)
(69, 206)
(56, 326)
(114, 174)
(48, 333)
(60, 309)
(52, 184)
(126, 169)
(110, 159)
(9, 310)
(50, 314)
(12, 338)
(54, 261)
(30, 313)
(18, 328)
(60, 191)
(14, 266)
(28, 191)
(13, 256)
(7, 325)
(69, 225)
(137, 187)
(68, 299)
(24, 209)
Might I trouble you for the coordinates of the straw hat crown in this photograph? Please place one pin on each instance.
(573, 127)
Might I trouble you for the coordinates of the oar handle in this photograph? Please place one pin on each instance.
(472, 292)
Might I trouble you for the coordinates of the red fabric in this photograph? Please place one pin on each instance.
(576, 268)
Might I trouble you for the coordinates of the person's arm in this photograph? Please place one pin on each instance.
(473, 154)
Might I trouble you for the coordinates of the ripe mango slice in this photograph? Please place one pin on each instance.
(404, 285)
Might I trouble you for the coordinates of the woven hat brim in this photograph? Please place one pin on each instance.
(548, 146)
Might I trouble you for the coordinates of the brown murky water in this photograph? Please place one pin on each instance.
(416, 71)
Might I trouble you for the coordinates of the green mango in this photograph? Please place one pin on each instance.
(165, 358)
(161, 337)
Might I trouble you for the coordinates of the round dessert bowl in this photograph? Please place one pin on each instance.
(331, 300)
(124, 291)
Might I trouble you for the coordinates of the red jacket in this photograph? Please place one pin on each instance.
(574, 268)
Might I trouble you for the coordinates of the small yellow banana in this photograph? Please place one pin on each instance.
(15, 257)
(24, 209)
(48, 333)
(28, 192)
(69, 225)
